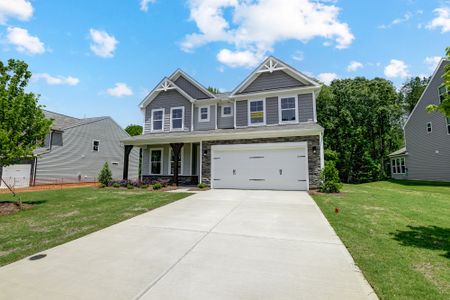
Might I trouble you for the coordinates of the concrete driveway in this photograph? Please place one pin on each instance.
(218, 244)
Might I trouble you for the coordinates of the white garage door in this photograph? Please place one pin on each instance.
(16, 175)
(277, 166)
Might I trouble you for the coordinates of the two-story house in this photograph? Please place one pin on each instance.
(262, 135)
(426, 155)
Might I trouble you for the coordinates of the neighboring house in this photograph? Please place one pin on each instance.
(426, 155)
(262, 135)
(74, 151)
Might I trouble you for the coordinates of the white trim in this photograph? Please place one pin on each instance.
(200, 113)
(279, 92)
(192, 116)
(92, 145)
(249, 112)
(234, 104)
(394, 165)
(169, 171)
(160, 88)
(150, 160)
(314, 108)
(424, 91)
(231, 111)
(280, 121)
(162, 120)
(429, 126)
(182, 118)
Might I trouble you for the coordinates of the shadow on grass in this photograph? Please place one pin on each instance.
(428, 237)
(31, 202)
(419, 182)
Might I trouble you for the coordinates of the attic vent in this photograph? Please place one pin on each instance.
(115, 163)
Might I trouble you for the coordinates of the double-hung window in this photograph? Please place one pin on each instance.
(256, 112)
(177, 118)
(443, 91)
(172, 162)
(288, 109)
(398, 165)
(158, 119)
(203, 114)
(156, 156)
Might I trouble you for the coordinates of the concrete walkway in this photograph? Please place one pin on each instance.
(218, 244)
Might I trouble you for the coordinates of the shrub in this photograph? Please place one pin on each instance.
(329, 178)
(157, 186)
(105, 175)
(330, 155)
(202, 185)
(116, 185)
(102, 185)
(144, 186)
(130, 186)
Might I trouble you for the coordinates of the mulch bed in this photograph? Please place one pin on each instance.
(50, 187)
(7, 208)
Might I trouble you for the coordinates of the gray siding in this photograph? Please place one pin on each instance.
(190, 89)
(166, 100)
(225, 122)
(77, 158)
(305, 108)
(272, 110)
(241, 113)
(187, 162)
(211, 124)
(428, 153)
(272, 81)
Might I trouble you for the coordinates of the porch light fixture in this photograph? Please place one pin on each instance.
(205, 152)
(314, 149)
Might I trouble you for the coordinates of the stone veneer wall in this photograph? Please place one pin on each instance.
(313, 159)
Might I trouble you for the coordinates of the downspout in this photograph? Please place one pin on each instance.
(192, 116)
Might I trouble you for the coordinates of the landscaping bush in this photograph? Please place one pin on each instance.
(157, 186)
(105, 175)
(202, 185)
(329, 178)
(102, 185)
(144, 186)
(116, 185)
(130, 186)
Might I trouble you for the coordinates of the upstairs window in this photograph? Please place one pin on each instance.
(429, 127)
(203, 115)
(157, 119)
(288, 109)
(256, 112)
(177, 118)
(95, 145)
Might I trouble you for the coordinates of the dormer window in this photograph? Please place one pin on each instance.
(177, 118)
(203, 115)
(157, 119)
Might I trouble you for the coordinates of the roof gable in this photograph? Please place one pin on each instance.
(164, 85)
(190, 85)
(285, 77)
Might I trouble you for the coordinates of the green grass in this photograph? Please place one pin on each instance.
(398, 233)
(64, 215)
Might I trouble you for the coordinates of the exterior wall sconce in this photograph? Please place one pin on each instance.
(314, 149)
(205, 152)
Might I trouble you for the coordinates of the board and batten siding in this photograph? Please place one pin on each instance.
(187, 160)
(190, 89)
(166, 100)
(428, 153)
(271, 81)
(225, 122)
(211, 124)
(76, 158)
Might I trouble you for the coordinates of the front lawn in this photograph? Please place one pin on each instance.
(399, 235)
(60, 216)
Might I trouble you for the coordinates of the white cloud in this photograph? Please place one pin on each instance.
(120, 89)
(396, 68)
(256, 26)
(144, 4)
(442, 20)
(23, 41)
(405, 18)
(354, 66)
(432, 62)
(298, 56)
(19, 9)
(57, 80)
(327, 78)
(236, 59)
(102, 44)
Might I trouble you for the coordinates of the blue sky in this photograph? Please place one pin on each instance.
(94, 58)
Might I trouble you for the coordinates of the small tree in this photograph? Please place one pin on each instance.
(213, 90)
(134, 129)
(444, 106)
(329, 178)
(105, 175)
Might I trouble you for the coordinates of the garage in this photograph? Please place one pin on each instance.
(16, 175)
(274, 166)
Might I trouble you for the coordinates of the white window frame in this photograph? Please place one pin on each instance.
(280, 110)
(162, 120)
(249, 113)
(182, 119)
(162, 161)
(223, 111)
(181, 161)
(98, 147)
(200, 113)
(398, 162)
(429, 126)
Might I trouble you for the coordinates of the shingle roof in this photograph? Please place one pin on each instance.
(61, 122)
(401, 151)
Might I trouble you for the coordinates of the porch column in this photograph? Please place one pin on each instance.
(176, 148)
(126, 159)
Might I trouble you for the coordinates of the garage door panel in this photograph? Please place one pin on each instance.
(259, 168)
